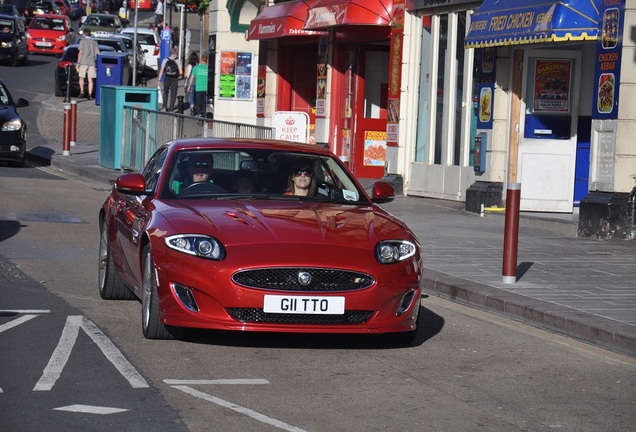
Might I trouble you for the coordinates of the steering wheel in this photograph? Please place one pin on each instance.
(201, 188)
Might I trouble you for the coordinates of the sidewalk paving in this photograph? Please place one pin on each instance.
(578, 287)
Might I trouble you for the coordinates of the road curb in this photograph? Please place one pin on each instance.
(604, 332)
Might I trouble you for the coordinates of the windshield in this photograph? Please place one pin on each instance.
(259, 174)
(48, 24)
(6, 26)
(4, 96)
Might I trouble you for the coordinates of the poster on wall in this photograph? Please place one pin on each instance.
(486, 88)
(235, 81)
(552, 85)
(608, 61)
(374, 148)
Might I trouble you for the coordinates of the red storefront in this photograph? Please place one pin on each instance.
(347, 71)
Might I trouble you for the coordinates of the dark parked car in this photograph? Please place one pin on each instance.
(9, 9)
(13, 40)
(12, 128)
(67, 62)
(39, 7)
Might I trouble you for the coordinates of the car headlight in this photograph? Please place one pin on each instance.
(198, 245)
(8, 44)
(12, 125)
(61, 38)
(392, 251)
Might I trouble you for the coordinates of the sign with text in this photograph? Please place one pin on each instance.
(607, 66)
(291, 125)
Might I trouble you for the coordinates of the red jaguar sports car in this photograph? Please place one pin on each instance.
(258, 235)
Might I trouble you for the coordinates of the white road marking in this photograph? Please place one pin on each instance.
(65, 346)
(16, 322)
(25, 311)
(217, 381)
(248, 412)
(90, 409)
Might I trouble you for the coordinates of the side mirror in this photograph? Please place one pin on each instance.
(22, 103)
(382, 192)
(132, 184)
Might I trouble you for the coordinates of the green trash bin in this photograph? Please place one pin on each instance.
(111, 133)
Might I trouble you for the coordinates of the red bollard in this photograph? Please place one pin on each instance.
(67, 130)
(73, 124)
(511, 233)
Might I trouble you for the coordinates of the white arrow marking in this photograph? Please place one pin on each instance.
(16, 322)
(248, 412)
(65, 346)
(217, 381)
(90, 409)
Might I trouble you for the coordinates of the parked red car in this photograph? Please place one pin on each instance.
(211, 235)
(50, 34)
(143, 5)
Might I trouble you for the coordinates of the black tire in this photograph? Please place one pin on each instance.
(151, 324)
(15, 60)
(25, 60)
(111, 287)
(58, 91)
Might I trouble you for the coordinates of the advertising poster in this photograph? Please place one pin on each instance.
(486, 87)
(236, 75)
(260, 91)
(374, 148)
(321, 90)
(552, 85)
(608, 61)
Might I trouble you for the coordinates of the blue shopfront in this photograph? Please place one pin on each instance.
(546, 54)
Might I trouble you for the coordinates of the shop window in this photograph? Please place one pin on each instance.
(376, 78)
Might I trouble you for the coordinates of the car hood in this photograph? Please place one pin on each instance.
(51, 34)
(6, 37)
(7, 113)
(262, 221)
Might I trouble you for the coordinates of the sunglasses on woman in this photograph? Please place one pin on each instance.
(306, 173)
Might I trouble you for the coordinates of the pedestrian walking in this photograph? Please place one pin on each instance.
(199, 78)
(159, 12)
(193, 60)
(169, 74)
(87, 62)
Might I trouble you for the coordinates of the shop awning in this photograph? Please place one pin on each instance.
(503, 22)
(280, 20)
(330, 13)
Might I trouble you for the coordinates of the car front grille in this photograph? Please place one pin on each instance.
(313, 279)
(255, 315)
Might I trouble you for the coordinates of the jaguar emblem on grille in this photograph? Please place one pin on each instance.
(304, 278)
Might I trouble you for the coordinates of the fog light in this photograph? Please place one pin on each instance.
(14, 148)
(184, 294)
(405, 304)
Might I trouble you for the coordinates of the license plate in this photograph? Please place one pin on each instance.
(43, 44)
(304, 305)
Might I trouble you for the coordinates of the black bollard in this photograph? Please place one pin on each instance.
(180, 104)
(67, 98)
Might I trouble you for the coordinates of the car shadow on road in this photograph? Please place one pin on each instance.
(430, 324)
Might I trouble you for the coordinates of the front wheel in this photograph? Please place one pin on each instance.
(151, 324)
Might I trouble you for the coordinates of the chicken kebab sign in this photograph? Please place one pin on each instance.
(608, 60)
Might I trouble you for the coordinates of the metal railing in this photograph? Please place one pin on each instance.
(145, 130)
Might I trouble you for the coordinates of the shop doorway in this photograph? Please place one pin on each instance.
(369, 105)
(297, 80)
(548, 130)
